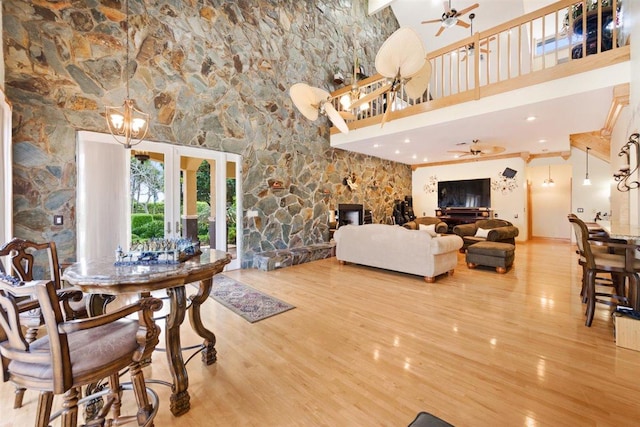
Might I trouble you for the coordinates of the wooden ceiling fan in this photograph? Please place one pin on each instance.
(451, 17)
(476, 149)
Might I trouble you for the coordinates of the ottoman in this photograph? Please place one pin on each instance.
(491, 254)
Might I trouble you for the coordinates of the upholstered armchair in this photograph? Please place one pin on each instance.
(440, 226)
(483, 230)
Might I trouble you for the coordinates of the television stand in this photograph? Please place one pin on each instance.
(455, 216)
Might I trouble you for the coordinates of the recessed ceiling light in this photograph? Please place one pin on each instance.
(397, 151)
(531, 118)
(414, 157)
(542, 141)
(376, 145)
(455, 156)
(425, 159)
(407, 140)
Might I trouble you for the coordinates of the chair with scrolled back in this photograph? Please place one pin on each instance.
(596, 261)
(26, 261)
(77, 352)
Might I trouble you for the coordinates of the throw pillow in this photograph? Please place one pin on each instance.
(431, 229)
(482, 232)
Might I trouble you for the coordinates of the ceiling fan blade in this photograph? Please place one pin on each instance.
(370, 96)
(462, 24)
(307, 99)
(433, 21)
(447, 6)
(419, 82)
(440, 31)
(495, 149)
(347, 115)
(335, 118)
(303, 98)
(485, 41)
(402, 53)
(466, 10)
(388, 110)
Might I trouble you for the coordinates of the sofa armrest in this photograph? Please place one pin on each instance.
(442, 227)
(465, 230)
(502, 233)
(411, 225)
(444, 244)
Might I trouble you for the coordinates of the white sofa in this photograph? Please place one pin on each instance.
(396, 248)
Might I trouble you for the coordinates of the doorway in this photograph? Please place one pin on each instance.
(155, 190)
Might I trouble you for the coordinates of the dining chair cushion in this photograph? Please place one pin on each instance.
(607, 260)
(112, 343)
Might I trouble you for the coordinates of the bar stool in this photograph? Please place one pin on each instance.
(599, 261)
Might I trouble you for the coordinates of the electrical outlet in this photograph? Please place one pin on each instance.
(252, 213)
(580, 210)
(58, 220)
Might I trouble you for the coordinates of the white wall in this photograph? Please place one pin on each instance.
(510, 206)
(596, 197)
(550, 206)
(1, 52)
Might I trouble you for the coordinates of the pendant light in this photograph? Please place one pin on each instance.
(127, 124)
(587, 181)
(548, 182)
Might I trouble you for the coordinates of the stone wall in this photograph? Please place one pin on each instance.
(212, 74)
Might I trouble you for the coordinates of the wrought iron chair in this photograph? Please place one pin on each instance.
(595, 261)
(74, 353)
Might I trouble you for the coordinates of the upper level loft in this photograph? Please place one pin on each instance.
(544, 58)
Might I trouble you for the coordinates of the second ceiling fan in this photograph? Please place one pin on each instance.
(476, 149)
(451, 17)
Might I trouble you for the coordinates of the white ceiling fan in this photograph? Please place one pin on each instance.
(476, 149)
(451, 17)
(402, 60)
(313, 101)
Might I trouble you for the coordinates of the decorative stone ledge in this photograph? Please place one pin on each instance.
(271, 260)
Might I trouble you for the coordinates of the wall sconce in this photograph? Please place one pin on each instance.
(587, 181)
(625, 173)
(548, 182)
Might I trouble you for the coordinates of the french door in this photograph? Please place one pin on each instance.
(187, 175)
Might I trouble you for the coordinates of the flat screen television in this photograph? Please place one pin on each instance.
(465, 193)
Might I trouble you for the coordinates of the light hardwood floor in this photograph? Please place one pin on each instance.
(368, 347)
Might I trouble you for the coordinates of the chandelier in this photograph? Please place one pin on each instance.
(127, 124)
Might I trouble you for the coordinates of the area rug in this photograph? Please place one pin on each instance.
(242, 299)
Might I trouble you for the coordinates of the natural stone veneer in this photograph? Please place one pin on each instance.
(212, 74)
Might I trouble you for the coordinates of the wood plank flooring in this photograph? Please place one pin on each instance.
(368, 347)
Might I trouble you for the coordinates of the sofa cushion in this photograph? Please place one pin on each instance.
(482, 232)
(431, 229)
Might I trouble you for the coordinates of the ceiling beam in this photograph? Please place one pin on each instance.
(620, 100)
(600, 145)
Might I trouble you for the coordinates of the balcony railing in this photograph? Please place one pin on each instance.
(540, 46)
